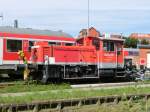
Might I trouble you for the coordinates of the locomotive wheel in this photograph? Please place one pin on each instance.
(45, 74)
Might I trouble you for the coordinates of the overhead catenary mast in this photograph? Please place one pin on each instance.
(88, 14)
(88, 19)
(1, 16)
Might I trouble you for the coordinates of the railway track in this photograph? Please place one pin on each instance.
(61, 104)
(3, 85)
(103, 85)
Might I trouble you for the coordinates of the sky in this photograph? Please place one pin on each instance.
(111, 16)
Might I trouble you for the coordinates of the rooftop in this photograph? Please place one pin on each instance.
(30, 31)
(139, 35)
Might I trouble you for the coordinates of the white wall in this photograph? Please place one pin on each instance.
(1, 51)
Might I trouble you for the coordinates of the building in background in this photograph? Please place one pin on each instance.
(140, 36)
(144, 55)
(140, 56)
(131, 55)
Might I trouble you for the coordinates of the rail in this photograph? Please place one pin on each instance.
(3, 85)
(60, 104)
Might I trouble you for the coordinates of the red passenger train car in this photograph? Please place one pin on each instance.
(93, 56)
(14, 39)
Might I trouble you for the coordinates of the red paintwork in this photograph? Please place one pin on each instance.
(13, 56)
(74, 54)
(79, 53)
(84, 52)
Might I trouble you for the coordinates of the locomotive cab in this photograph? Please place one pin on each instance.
(109, 52)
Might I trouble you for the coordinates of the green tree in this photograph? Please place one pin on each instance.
(144, 41)
(131, 42)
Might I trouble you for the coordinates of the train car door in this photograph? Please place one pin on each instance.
(1, 51)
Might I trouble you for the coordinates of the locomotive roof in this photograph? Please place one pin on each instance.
(30, 31)
(113, 39)
(104, 38)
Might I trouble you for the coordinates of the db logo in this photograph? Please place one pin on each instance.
(108, 54)
(142, 61)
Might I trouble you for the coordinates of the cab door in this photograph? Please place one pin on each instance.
(109, 54)
(120, 57)
(1, 51)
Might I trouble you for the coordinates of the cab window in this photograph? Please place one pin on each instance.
(14, 45)
(108, 46)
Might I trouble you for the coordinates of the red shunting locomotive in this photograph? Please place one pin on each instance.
(93, 56)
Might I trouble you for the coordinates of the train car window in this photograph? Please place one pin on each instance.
(58, 43)
(54, 43)
(31, 43)
(108, 46)
(68, 44)
(51, 43)
(14, 45)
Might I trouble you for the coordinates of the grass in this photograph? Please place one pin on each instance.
(20, 87)
(125, 106)
(62, 91)
(144, 82)
(73, 93)
(33, 87)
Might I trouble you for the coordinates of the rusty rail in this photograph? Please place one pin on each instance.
(60, 104)
(3, 85)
